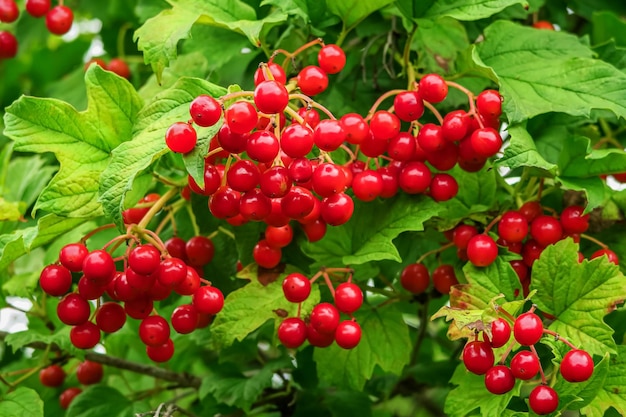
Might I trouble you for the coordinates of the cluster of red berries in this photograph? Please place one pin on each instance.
(288, 173)
(87, 373)
(526, 231)
(478, 357)
(58, 21)
(415, 278)
(324, 324)
(115, 65)
(148, 275)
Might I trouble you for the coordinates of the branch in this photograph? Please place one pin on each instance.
(181, 379)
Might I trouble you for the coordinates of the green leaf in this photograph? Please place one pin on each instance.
(194, 160)
(235, 322)
(100, 400)
(546, 71)
(469, 9)
(594, 189)
(148, 144)
(438, 42)
(20, 242)
(471, 394)
(522, 152)
(352, 12)
(579, 395)
(494, 280)
(579, 159)
(81, 141)
(385, 343)
(579, 295)
(61, 339)
(612, 393)
(607, 26)
(23, 402)
(368, 235)
(230, 386)
(159, 36)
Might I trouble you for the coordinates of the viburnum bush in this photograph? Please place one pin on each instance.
(296, 208)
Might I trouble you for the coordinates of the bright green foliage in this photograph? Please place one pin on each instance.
(90, 403)
(23, 402)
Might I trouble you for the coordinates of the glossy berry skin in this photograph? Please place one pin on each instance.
(263, 146)
(367, 185)
(200, 250)
(444, 278)
(85, 336)
(408, 106)
(208, 300)
(73, 309)
(55, 280)
(72, 256)
(37, 8)
(325, 318)
(348, 334)
(99, 267)
(462, 235)
(144, 259)
(318, 339)
(414, 178)
(161, 353)
(337, 209)
(573, 220)
(455, 125)
(278, 236)
(265, 255)
(525, 365)
(296, 287)
(9, 11)
(486, 142)
(328, 179)
(546, 230)
(8, 45)
(331, 59)
(500, 332)
(482, 250)
(489, 104)
(513, 226)
(59, 20)
(329, 135)
(278, 74)
(312, 80)
(110, 317)
(499, 380)
(443, 187)
(184, 319)
(89, 372)
(433, 88)
(120, 67)
(181, 137)
(478, 357)
(296, 140)
(171, 272)
(241, 117)
(154, 330)
(543, 400)
(52, 376)
(543, 24)
(348, 297)
(577, 366)
(528, 329)
(610, 255)
(292, 332)
(205, 110)
(67, 396)
(355, 127)
(271, 97)
(384, 125)
(415, 278)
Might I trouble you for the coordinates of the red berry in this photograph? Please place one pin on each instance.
(8, 45)
(55, 280)
(499, 380)
(531, 210)
(278, 74)
(415, 278)
(208, 300)
(489, 104)
(181, 137)
(329, 135)
(144, 259)
(278, 237)
(348, 334)
(325, 318)
(577, 366)
(205, 110)
(312, 80)
(185, 319)
(9, 11)
(271, 97)
(59, 20)
(402, 147)
(525, 365)
(482, 250)
(292, 332)
(546, 230)
(161, 353)
(543, 400)
(348, 297)
(190, 284)
(513, 226)
(528, 329)
(444, 278)
(443, 187)
(296, 140)
(265, 255)
(120, 67)
(337, 209)
(611, 256)
(462, 235)
(52, 376)
(85, 336)
(263, 146)
(414, 178)
(455, 126)
(384, 125)
(298, 203)
(200, 251)
(355, 127)
(331, 59)
(89, 372)
(573, 220)
(478, 357)
(154, 330)
(171, 272)
(367, 185)
(67, 396)
(99, 267)
(543, 24)
(73, 255)
(110, 317)
(241, 117)
(73, 309)
(408, 106)
(328, 179)
(500, 333)
(433, 88)
(318, 339)
(296, 287)
(486, 142)
(139, 308)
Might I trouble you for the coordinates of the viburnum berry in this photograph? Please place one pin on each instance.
(576, 366)
(296, 140)
(610, 255)
(331, 59)
(486, 141)
(73, 255)
(184, 319)
(296, 287)
(154, 330)
(89, 372)
(546, 230)
(367, 185)
(110, 317)
(9, 11)
(462, 235)
(414, 178)
(200, 250)
(528, 329)
(500, 332)
(499, 380)
(55, 280)
(531, 210)
(73, 309)
(280, 236)
(37, 8)
(482, 250)
(181, 137)
(415, 278)
(171, 272)
(318, 339)
(329, 135)
(408, 106)
(241, 117)
(348, 297)
(120, 67)
(8, 45)
(573, 220)
(312, 80)
(384, 125)
(455, 125)
(52, 376)
(325, 318)
(99, 267)
(513, 226)
(208, 300)
(292, 332)
(190, 284)
(59, 20)
(443, 187)
(144, 259)
(263, 146)
(525, 365)
(478, 357)
(271, 97)
(297, 203)
(430, 138)
(543, 400)
(278, 74)
(489, 104)
(355, 127)
(543, 24)
(348, 334)
(265, 255)
(337, 209)
(432, 88)
(328, 179)
(67, 396)
(85, 336)
(161, 353)
(310, 117)
(205, 110)
(444, 278)
(139, 307)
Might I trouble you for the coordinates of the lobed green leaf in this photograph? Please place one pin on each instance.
(470, 9)
(23, 402)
